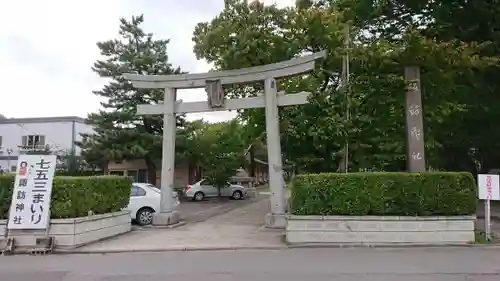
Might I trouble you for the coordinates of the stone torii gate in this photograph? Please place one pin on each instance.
(213, 83)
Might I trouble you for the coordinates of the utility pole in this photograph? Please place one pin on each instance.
(9, 152)
(344, 165)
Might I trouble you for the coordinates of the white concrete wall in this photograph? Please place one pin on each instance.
(373, 230)
(72, 233)
(57, 134)
(57, 131)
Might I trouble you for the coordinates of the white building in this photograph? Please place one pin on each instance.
(19, 135)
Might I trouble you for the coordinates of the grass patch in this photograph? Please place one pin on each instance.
(481, 238)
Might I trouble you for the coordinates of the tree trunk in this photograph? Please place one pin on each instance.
(252, 161)
(191, 172)
(341, 166)
(194, 172)
(104, 166)
(199, 171)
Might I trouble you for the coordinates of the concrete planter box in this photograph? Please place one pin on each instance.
(380, 230)
(73, 233)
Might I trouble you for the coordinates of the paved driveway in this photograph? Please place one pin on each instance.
(238, 228)
(195, 211)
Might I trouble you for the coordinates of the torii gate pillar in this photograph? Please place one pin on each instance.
(277, 218)
(213, 82)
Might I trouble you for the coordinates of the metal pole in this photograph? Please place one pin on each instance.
(347, 90)
(487, 219)
(9, 169)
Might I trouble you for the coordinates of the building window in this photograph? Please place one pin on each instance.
(142, 176)
(33, 141)
(137, 175)
(116, 173)
(132, 174)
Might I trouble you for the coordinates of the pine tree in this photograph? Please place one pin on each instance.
(119, 133)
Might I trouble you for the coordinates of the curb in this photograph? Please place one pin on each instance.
(262, 248)
(339, 246)
(159, 250)
(170, 226)
(270, 248)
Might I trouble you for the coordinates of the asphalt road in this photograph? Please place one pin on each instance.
(422, 264)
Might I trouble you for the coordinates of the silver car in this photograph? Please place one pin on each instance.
(204, 189)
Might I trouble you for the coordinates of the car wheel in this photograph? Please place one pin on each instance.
(144, 216)
(199, 196)
(237, 195)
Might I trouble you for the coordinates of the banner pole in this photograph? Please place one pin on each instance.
(487, 219)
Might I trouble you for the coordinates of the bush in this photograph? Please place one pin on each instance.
(400, 194)
(76, 196)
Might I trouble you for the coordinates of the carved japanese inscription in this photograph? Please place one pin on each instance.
(414, 121)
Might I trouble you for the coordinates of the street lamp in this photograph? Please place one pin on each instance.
(9, 152)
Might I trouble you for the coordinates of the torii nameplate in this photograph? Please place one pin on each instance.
(215, 93)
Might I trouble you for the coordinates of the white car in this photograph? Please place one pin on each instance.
(145, 199)
(204, 189)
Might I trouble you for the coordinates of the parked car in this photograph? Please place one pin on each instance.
(204, 189)
(145, 200)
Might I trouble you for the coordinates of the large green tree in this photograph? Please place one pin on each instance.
(468, 140)
(119, 133)
(314, 135)
(218, 149)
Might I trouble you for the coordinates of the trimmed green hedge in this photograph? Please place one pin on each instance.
(75, 196)
(401, 194)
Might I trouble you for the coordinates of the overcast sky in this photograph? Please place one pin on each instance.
(47, 48)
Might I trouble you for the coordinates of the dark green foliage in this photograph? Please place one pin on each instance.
(456, 114)
(217, 148)
(6, 184)
(399, 194)
(76, 196)
(120, 134)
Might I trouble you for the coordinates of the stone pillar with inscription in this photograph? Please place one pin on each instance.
(414, 121)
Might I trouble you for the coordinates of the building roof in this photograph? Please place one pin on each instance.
(42, 120)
